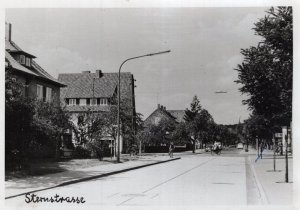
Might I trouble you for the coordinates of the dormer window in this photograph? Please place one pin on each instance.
(28, 62)
(103, 101)
(22, 59)
(93, 102)
(82, 102)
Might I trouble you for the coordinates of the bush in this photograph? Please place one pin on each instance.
(81, 153)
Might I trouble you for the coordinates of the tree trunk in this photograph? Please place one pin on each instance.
(194, 145)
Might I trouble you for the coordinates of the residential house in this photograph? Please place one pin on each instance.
(161, 113)
(88, 92)
(171, 117)
(37, 82)
(176, 116)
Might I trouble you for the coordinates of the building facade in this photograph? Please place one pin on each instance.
(96, 93)
(36, 81)
(176, 116)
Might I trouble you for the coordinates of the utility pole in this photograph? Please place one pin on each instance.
(286, 156)
(274, 154)
(257, 146)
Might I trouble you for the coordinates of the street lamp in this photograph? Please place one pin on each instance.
(119, 95)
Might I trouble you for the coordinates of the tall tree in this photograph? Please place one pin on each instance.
(267, 70)
(197, 121)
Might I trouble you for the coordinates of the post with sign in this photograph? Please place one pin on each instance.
(286, 157)
(257, 146)
(274, 154)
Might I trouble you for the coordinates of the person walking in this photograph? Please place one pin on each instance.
(262, 148)
(171, 149)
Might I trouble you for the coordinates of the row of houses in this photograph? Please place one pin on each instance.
(78, 92)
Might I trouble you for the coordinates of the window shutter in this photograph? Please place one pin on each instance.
(77, 101)
(44, 93)
(88, 101)
(67, 101)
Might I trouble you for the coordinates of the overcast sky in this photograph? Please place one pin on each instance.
(205, 46)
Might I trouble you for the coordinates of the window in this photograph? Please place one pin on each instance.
(39, 92)
(48, 94)
(28, 62)
(22, 59)
(93, 102)
(72, 101)
(82, 102)
(103, 101)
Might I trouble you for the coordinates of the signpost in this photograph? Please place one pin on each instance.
(286, 159)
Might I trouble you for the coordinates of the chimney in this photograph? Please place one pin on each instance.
(99, 74)
(7, 31)
(86, 72)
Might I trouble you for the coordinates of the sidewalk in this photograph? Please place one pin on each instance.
(272, 186)
(18, 186)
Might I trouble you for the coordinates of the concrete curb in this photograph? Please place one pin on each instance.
(261, 190)
(93, 177)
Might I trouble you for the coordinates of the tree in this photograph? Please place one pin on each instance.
(195, 109)
(197, 121)
(92, 127)
(49, 123)
(32, 128)
(180, 134)
(19, 112)
(267, 70)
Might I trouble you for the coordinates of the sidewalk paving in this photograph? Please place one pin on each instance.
(272, 186)
(18, 186)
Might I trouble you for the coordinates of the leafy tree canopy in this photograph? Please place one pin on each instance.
(267, 70)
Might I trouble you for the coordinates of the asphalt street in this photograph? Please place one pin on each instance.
(202, 179)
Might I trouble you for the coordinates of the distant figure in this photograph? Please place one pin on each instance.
(217, 148)
(262, 148)
(100, 152)
(171, 149)
(61, 151)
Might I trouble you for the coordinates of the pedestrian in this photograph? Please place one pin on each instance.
(61, 151)
(262, 148)
(171, 149)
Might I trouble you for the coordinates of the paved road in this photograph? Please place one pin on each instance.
(194, 180)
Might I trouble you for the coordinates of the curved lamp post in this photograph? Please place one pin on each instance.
(119, 95)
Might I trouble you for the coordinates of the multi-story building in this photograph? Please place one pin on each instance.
(96, 93)
(36, 81)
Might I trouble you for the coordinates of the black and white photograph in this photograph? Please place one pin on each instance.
(160, 107)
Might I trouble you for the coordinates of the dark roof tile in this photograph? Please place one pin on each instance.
(78, 108)
(80, 85)
(177, 114)
(36, 70)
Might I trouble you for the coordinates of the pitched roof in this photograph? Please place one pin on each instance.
(78, 108)
(177, 114)
(87, 85)
(15, 64)
(35, 69)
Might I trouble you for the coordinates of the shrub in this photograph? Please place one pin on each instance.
(81, 153)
